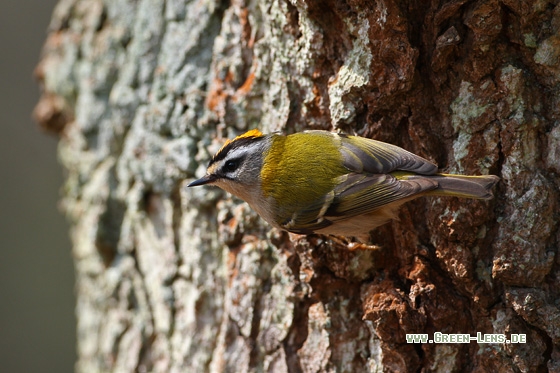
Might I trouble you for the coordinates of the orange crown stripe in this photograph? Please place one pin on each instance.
(251, 133)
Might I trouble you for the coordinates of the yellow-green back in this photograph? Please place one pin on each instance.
(312, 164)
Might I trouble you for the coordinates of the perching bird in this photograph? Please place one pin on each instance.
(329, 183)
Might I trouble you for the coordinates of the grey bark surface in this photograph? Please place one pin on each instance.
(170, 279)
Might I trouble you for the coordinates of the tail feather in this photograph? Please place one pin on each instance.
(478, 187)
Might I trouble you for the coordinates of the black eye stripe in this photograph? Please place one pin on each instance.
(231, 165)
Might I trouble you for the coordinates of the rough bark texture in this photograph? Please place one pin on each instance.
(142, 92)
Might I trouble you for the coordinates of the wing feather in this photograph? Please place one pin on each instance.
(361, 194)
(306, 221)
(376, 157)
(357, 194)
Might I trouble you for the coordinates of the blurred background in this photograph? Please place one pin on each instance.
(37, 323)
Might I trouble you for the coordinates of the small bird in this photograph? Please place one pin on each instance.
(330, 183)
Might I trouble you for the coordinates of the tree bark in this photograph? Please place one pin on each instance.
(171, 279)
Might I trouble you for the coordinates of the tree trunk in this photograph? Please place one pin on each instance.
(171, 279)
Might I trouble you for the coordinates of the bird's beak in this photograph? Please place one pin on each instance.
(206, 179)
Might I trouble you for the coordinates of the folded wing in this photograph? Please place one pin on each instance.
(376, 157)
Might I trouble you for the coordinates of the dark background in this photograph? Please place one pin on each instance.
(37, 323)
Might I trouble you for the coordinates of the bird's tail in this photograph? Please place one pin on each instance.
(478, 187)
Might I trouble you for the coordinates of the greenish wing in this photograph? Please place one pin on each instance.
(308, 220)
(355, 195)
(361, 194)
(376, 157)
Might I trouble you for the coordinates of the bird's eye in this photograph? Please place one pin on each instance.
(231, 165)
